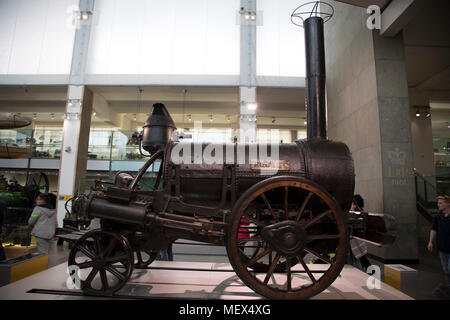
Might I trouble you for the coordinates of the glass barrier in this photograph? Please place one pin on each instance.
(441, 148)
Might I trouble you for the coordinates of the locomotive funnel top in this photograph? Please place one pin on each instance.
(158, 129)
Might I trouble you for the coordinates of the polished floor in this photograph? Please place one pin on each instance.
(429, 272)
(194, 280)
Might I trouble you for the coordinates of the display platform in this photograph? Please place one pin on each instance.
(189, 280)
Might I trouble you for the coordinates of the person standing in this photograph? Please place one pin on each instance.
(43, 222)
(440, 234)
(358, 249)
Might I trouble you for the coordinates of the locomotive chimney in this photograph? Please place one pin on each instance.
(315, 78)
(158, 129)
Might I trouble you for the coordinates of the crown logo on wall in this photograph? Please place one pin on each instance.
(397, 157)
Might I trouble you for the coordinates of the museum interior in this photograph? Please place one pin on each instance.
(87, 87)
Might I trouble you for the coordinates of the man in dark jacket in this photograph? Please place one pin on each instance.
(3, 212)
(440, 233)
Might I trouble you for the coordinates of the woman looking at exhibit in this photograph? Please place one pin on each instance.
(440, 234)
(43, 222)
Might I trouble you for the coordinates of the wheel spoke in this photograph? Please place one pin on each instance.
(110, 247)
(256, 252)
(91, 277)
(317, 218)
(97, 245)
(303, 206)
(259, 256)
(86, 252)
(272, 268)
(286, 203)
(116, 273)
(275, 215)
(318, 255)
(87, 264)
(255, 221)
(288, 274)
(104, 279)
(307, 269)
(322, 237)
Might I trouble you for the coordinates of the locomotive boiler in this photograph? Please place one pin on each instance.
(272, 206)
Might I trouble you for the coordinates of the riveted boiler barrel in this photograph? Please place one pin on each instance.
(200, 168)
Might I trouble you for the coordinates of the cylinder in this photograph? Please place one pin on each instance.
(102, 208)
(315, 78)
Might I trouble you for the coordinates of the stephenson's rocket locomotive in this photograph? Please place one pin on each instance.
(273, 213)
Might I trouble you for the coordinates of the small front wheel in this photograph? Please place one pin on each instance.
(104, 261)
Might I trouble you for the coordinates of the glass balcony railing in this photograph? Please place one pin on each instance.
(46, 144)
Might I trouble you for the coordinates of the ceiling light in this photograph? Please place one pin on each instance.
(427, 114)
(84, 15)
(228, 119)
(252, 105)
(274, 119)
(211, 117)
(94, 113)
(417, 113)
(34, 116)
(189, 117)
(52, 116)
(134, 117)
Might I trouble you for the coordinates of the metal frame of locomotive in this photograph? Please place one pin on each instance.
(268, 223)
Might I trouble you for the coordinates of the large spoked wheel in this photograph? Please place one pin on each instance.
(105, 261)
(276, 223)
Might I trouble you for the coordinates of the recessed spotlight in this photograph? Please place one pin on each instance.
(252, 106)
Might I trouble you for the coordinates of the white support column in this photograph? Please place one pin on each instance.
(247, 115)
(247, 111)
(77, 117)
(74, 145)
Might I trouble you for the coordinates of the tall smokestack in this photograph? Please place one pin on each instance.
(315, 78)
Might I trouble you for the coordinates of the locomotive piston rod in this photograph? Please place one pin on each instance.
(139, 213)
